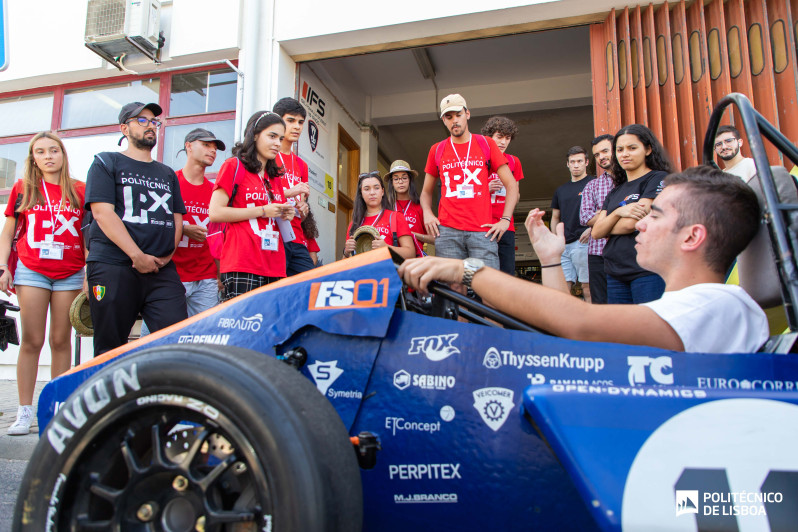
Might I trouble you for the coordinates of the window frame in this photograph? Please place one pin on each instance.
(164, 100)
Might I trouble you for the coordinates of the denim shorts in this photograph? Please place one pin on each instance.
(26, 277)
(574, 262)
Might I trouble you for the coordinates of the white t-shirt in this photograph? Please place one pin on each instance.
(713, 318)
(745, 169)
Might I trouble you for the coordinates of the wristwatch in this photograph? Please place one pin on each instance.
(470, 267)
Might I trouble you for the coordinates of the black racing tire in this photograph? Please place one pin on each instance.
(253, 442)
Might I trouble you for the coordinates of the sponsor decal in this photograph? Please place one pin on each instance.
(493, 405)
(403, 380)
(536, 378)
(495, 359)
(215, 339)
(686, 502)
(425, 498)
(435, 348)
(400, 424)
(721, 383)
(660, 369)
(424, 471)
(99, 292)
(630, 391)
(447, 413)
(251, 323)
(325, 374)
(95, 397)
(363, 293)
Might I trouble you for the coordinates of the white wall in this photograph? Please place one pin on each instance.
(46, 41)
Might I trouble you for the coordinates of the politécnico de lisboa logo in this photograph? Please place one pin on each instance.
(494, 405)
(686, 502)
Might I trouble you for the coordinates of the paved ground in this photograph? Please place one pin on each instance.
(14, 450)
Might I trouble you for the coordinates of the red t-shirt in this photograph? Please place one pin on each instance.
(193, 259)
(242, 250)
(295, 172)
(415, 220)
(497, 198)
(43, 222)
(382, 223)
(465, 198)
(313, 246)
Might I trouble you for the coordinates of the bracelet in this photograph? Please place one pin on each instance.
(263, 210)
(3, 265)
(552, 265)
(505, 218)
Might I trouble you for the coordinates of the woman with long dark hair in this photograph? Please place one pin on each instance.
(639, 168)
(372, 208)
(47, 205)
(248, 196)
(403, 197)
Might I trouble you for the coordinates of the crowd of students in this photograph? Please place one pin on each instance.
(152, 238)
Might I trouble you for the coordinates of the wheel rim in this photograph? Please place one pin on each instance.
(165, 467)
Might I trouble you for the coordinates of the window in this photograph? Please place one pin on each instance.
(12, 164)
(175, 135)
(98, 106)
(26, 114)
(81, 151)
(203, 92)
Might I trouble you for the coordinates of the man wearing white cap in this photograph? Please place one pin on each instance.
(464, 163)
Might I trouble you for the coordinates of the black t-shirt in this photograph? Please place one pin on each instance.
(145, 196)
(568, 199)
(620, 256)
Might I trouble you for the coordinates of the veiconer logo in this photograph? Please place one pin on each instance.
(324, 374)
(494, 405)
(436, 348)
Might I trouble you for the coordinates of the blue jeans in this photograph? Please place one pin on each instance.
(641, 290)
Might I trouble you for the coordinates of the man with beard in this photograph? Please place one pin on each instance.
(137, 214)
(592, 200)
(727, 145)
(463, 163)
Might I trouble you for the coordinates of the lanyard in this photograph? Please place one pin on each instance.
(293, 166)
(377, 219)
(404, 211)
(468, 152)
(53, 218)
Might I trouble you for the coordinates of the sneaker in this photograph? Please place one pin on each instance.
(24, 419)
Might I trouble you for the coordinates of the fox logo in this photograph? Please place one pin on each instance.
(436, 348)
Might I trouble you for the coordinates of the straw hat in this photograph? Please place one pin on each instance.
(364, 236)
(80, 315)
(400, 166)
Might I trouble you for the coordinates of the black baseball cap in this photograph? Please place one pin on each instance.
(205, 136)
(132, 110)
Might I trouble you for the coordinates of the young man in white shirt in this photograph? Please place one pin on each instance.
(727, 146)
(697, 226)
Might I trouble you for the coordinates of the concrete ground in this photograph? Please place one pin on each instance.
(14, 450)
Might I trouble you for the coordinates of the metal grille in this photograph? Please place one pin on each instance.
(105, 17)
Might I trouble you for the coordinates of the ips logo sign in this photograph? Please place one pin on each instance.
(313, 135)
(312, 98)
(660, 369)
(364, 293)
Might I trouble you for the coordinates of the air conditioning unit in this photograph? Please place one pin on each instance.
(123, 27)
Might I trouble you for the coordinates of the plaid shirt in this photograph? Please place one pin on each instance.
(592, 200)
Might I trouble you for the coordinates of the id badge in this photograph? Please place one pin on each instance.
(465, 191)
(269, 240)
(51, 250)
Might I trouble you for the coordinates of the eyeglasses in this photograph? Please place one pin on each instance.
(369, 174)
(727, 142)
(144, 122)
(401, 178)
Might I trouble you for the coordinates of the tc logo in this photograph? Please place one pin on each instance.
(324, 374)
(494, 405)
(436, 348)
(686, 502)
(401, 379)
(660, 369)
(493, 359)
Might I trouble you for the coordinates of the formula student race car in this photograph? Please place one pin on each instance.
(334, 401)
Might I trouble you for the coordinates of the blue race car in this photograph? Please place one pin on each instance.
(336, 401)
